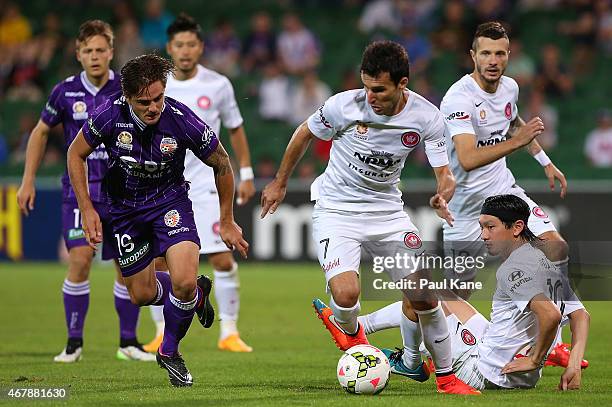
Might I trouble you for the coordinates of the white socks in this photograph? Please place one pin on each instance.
(346, 317)
(157, 314)
(384, 318)
(227, 288)
(436, 338)
(412, 338)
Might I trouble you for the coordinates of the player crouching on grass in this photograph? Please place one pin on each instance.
(509, 351)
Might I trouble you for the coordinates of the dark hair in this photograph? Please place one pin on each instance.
(492, 29)
(508, 209)
(92, 28)
(386, 56)
(184, 22)
(142, 71)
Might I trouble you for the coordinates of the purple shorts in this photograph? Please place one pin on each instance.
(141, 234)
(72, 229)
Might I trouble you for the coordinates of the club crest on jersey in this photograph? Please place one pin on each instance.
(539, 212)
(410, 139)
(124, 140)
(79, 110)
(508, 111)
(361, 131)
(168, 145)
(204, 102)
(412, 240)
(482, 117)
(468, 338)
(172, 218)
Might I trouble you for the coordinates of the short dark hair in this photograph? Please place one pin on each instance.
(142, 71)
(508, 209)
(492, 29)
(386, 56)
(184, 22)
(92, 28)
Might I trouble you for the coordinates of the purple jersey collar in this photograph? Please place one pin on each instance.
(90, 87)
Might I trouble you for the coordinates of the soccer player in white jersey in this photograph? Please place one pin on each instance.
(483, 127)
(210, 96)
(358, 200)
(531, 300)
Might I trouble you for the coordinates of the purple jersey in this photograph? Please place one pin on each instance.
(146, 163)
(70, 103)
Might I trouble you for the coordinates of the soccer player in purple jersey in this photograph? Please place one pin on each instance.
(70, 104)
(146, 136)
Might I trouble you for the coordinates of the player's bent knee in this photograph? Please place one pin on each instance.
(184, 290)
(222, 261)
(346, 297)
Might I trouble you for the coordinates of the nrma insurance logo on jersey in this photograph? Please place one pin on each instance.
(147, 169)
(378, 159)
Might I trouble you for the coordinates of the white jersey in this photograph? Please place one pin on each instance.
(369, 150)
(469, 109)
(210, 95)
(513, 327)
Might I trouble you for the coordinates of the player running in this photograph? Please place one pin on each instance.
(210, 96)
(483, 127)
(532, 299)
(357, 197)
(146, 136)
(71, 103)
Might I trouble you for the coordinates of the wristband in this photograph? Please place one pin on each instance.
(246, 174)
(542, 158)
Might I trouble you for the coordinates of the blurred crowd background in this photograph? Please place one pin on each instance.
(286, 57)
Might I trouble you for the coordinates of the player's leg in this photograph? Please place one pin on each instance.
(387, 317)
(157, 313)
(75, 288)
(400, 237)
(336, 237)
(227, 294)
(127, 312)
(76, 301)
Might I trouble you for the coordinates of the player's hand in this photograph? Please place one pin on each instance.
(520, 365)
(231, 234)
(570, 379)
(441, 207)
(246, 190)
(92, 227)
(552, 173)
(272, 195)
(525, 134)
(25, 198)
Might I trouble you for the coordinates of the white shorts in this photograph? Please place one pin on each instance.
(339, 235)
(207, 214)
(464, 344)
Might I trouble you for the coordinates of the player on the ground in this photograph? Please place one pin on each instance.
(210, 96)
(70, 103)
(357, 197)
(146, 136)
(483, 127)
(532, 299)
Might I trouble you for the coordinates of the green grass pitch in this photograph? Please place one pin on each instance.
(293, 363)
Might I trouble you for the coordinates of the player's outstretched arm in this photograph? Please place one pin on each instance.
(240, 145)
(580, 321)
(536, 151)
(77, 170)
(445, 190)
(37, 143)
(274, 193)
(548, 316)
(229, 230)
(471, 157)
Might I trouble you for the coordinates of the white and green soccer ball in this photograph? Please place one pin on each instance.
(363, 369)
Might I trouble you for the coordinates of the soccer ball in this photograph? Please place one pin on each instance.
(363, 369)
